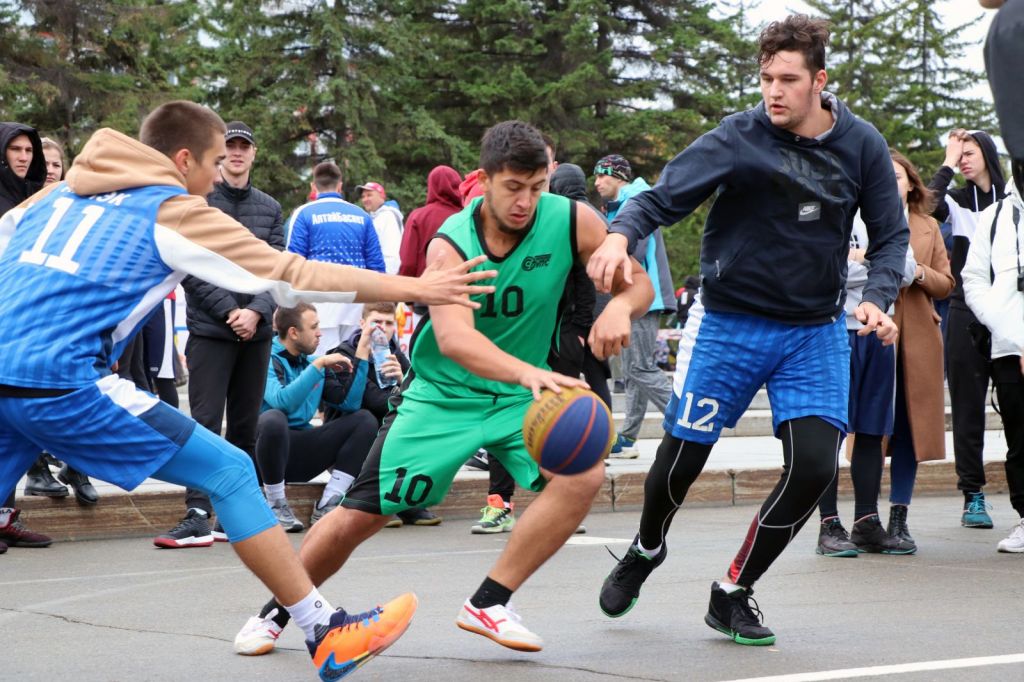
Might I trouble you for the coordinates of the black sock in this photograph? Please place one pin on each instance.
(281, 618)
(490, 593)
(968, 494)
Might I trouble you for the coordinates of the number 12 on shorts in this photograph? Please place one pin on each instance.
(703, 422)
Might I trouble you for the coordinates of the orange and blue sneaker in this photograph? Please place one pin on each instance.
(349, 641)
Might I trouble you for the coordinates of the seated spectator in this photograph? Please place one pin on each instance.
(369, 394)
(288, 447)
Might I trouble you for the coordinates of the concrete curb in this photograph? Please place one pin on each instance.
(151, 513)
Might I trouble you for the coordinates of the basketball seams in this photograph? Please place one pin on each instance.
(561, 431)
(583, 439)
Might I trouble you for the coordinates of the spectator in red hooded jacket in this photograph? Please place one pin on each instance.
(442, 201)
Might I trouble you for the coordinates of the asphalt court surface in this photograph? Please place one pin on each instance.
(121, 610)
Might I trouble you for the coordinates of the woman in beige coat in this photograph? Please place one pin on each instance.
(919, 432)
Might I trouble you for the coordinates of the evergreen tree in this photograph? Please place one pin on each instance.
(293, 72)
(80, 65)
(937, 89)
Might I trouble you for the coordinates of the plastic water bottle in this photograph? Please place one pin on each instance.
(380, 349)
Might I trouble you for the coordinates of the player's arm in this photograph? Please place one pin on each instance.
(207, 243)
(631, 299)
(685, 183)
(459, 340)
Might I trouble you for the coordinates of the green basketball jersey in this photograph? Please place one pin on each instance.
(521, 315)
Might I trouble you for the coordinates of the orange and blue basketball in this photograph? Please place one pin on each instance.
(568, 432)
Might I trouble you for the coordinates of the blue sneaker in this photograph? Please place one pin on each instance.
(976, 512)
(624, 448)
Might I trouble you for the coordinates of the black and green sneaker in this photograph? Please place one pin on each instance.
(869, 536)
(731, 614)
(621, 588)
(834, 541)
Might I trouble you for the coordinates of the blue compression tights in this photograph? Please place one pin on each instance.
(226, 474)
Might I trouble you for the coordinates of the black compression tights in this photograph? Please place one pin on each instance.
(810, 449)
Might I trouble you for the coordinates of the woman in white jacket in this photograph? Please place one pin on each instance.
(993, 282)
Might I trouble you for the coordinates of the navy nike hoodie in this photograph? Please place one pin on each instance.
(778, 235)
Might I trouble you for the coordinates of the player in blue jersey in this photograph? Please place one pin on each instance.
(83, 262)
(789, 175)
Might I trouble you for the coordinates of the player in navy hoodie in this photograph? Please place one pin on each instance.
(789, 176)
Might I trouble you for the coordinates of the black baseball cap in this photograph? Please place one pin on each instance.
(239, 129)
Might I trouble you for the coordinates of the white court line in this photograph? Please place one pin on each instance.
(595, 540)
(119, 576)
(880, 670)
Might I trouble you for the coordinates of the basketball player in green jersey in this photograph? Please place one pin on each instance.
(474, 374)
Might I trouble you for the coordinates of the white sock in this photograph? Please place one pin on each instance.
(338, 485)
(730, 587)
(275, 491)
(5, 515)
(313, 610)
(649, 553)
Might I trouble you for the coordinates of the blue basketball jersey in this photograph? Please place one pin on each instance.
(78, 277)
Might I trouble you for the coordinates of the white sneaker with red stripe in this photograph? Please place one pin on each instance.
(500, 623)
(258, 636)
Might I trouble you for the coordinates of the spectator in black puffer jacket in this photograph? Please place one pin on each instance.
(228, 347)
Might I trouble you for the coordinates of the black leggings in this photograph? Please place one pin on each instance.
(866, 472)
(1010, 392)
(810, 448)
(298, 455)
(166, 391)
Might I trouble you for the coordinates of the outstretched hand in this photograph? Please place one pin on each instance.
(537, 379)
(442, 285)
(876, 322)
